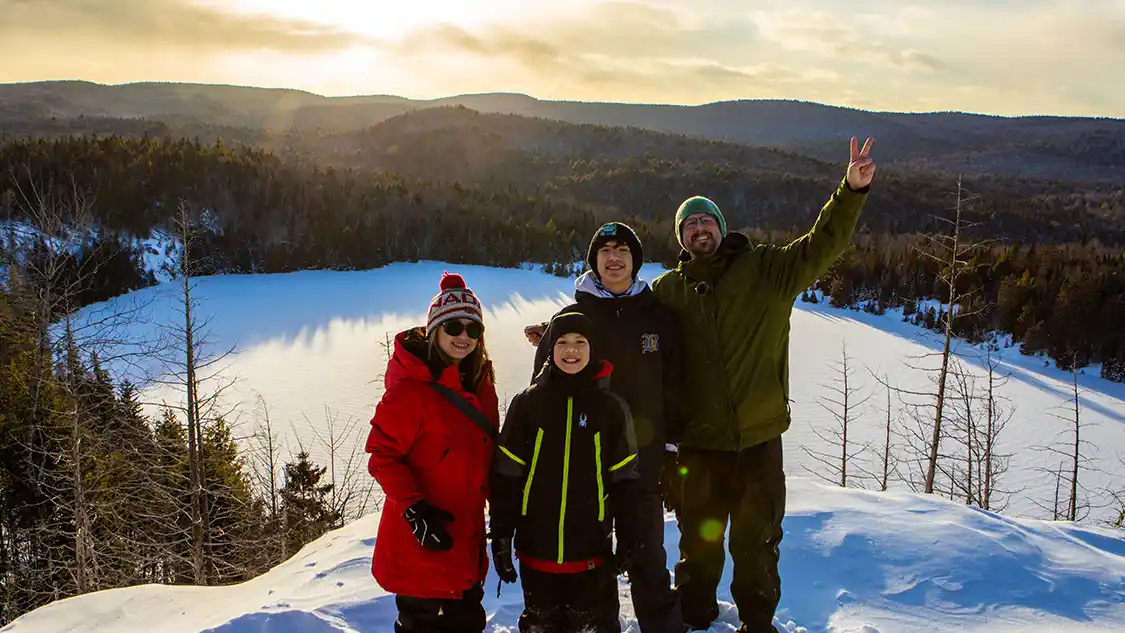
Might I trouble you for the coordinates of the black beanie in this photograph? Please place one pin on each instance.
(577, 323)
(615, 232)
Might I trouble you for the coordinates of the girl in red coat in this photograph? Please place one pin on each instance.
(431, 446)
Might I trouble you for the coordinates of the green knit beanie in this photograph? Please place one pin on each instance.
(698, 204)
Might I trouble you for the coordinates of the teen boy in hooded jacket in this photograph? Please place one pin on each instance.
(642, 340)
(564, 476)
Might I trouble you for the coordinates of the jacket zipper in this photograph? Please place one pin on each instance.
(565, 473)
(598, 465)
(531, 473)
(712, 327)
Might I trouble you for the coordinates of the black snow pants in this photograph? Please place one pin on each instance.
(585, 602)
(747, 490)
(655, 603)
(436, 615)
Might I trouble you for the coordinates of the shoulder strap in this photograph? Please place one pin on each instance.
(464, 406)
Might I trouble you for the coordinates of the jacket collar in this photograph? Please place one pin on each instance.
(598, 379)
(588, 283)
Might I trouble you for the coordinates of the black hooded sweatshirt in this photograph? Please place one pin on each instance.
(642, 340)
(565, 470)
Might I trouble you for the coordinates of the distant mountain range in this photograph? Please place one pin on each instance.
(1038, 148)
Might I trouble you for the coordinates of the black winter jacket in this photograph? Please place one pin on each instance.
(642, 340)
(565, 470)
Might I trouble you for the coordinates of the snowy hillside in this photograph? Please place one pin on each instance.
(159, 250)
(851, 561)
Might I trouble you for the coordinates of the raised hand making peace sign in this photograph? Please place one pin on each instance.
(861, 168)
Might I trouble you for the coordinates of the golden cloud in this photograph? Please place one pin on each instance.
(178, 24)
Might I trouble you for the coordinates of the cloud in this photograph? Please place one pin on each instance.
(498, 42)
(1000, 56)
(176, 24)
(680, 74)
(619, 29)
(830, 36)
(649, 50)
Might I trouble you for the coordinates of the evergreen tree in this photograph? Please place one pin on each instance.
(306, 510)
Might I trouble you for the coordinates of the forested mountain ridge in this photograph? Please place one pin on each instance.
(1050, 273)
(1068, 148)
(635, 171)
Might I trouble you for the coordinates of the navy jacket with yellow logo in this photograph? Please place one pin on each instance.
(565, 470)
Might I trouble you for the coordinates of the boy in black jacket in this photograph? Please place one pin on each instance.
(565, 474)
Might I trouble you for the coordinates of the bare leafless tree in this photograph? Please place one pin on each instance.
(1116, 494)
(952, 251)
(1071, 499)
(266, 464)
(70, 442)
(1076, 456)
(200, 374)
(994, 463)
(844, 404)
(914, 431)
(354, 491)
(887, 457)
(978, 418)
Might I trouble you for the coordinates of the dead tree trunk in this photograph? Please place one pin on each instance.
(195, 443)
(883, 482)
(1073, 512)
(935, 441)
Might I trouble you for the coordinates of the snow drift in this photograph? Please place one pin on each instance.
(871, 562)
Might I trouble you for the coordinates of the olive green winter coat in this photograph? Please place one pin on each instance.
(734, 309)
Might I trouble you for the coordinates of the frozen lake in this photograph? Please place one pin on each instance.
(310, 345)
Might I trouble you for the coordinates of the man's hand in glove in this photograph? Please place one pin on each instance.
(428, 524)
(502, 558)
(671, 479)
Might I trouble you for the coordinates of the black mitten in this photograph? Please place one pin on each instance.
(502, 558)
(428, 524)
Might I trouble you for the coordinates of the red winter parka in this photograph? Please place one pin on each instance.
(422, 447)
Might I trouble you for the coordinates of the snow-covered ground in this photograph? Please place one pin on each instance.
(310, 345)
(851, 561)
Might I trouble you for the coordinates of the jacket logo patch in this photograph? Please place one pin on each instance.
(650, 343)
(582, 420)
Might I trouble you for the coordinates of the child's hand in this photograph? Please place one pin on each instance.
(502, 558)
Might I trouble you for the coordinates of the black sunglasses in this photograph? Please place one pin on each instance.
(454, 328)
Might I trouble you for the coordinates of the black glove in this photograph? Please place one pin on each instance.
(502, 558)
(671, 481)
(428, 524)
(624, 556)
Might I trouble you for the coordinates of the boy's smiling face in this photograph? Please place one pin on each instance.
(571, 353)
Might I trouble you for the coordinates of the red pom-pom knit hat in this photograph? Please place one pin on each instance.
(455, 301)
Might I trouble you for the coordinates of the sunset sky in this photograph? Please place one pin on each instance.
(996, 56)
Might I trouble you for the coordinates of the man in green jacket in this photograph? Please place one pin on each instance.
(733, 301)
